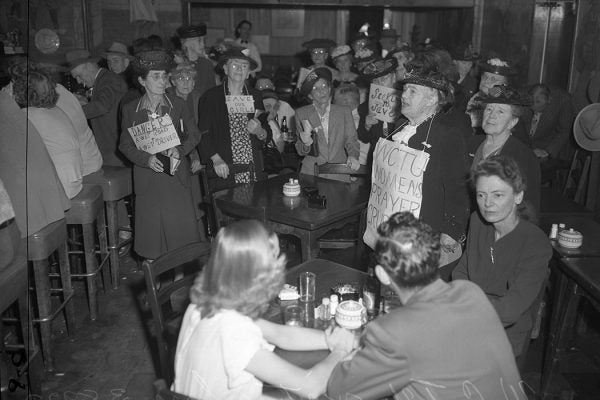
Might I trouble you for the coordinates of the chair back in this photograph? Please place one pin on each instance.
(212, 183)
(340, 169)
(189, 259)
(163, 392)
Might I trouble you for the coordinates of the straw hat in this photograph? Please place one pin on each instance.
(587, 127)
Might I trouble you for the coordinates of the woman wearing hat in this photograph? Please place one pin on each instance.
(232, 135)
(319, 54)
(332, 125)
(503, 106)
(342, 59)
(403, 55)
(164, 209)
(192, 44)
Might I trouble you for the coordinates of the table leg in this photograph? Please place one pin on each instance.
(562, 323)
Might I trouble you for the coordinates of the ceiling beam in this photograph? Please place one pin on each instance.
(345, 3)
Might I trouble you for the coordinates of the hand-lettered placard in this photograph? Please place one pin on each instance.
(396, 184)
(240, 104)
(383, 103)
(302, 74)
(155, 135)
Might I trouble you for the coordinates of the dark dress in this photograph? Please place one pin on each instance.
(510, 271)
(164, 210)
(372, 135)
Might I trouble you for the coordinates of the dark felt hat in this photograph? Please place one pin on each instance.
(366, 55)
(389, 33)
(77, 57)
(464, 52)
(153, 60)
(498, 66)
(191, 31)
(380, 67)
(426, 74)
(319, 44)
(503, 94)
(237, 53)
(312, 77)
(269, 94)
(369, 35)
(117, 48)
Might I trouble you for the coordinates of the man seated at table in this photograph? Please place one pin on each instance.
(446, 342)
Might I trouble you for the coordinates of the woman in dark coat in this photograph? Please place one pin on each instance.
(164, 214)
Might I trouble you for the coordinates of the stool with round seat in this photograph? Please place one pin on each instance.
(116, 184)
(86, 209)
(40, 246)
(14, 288)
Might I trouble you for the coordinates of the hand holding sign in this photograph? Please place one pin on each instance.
(305, 135)
(383, 103)
(370, 120)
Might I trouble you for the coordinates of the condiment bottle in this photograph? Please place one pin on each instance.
(333, 303)
(371, 294)
(324, 311)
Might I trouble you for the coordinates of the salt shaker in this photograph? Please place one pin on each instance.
(554, 231)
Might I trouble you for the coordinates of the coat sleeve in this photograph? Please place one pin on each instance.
(462, 269)
(376, 370)
(562, 130)
(301, 148)
(105, 97)
(351, 143)
(193, 133)
(364, 135)
(127, 145)
(526, 283)
(206, 111)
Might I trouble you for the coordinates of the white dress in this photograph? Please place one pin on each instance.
(212, 355)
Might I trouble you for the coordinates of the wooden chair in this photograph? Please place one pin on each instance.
(163, 392)
(350, 234)
(166, 315)
(212, 183)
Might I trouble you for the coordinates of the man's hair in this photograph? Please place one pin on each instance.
(244, 272)
(409, 250)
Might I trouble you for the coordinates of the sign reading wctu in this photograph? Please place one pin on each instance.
(396, 184)
(383, 103)
(155, 135)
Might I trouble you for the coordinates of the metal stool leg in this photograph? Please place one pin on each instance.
(103, 244)
(67, 288)
(113, 241)
(89, 248)
(33, 365)
(42, 290)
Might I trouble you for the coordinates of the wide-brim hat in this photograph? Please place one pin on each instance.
(498, 67)
(389, 33)
(312, 77)
(365, 55)
(429, 78)
(586, 128)
(119, 49)
(343, 50)
(504, 94)
(379, 68)
(237, 53)
(153, 60)
(319, 44)
(77, 57)
(464, 52)
(191, 31)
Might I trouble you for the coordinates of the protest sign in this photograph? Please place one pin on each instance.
(302, 74)
(383, 103)
(240, 104)
(155, 135)
(396, 184)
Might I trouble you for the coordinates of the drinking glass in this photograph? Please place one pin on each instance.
(307, 286)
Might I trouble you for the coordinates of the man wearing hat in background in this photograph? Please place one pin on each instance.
(333, 126)
(107, 90)
(192, 44)
(118, 60)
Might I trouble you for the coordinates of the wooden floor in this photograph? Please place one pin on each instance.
(111, 358)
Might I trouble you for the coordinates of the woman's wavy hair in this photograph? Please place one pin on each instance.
(409, 250)
(32, 86)
(244, 272)
(507, 169)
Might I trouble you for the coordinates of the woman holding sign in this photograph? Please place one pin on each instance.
(227, 114)
(151, 137)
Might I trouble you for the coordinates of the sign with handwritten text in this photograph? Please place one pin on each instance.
(383, 103)
(155, 136)
(302, 74)
(396, 184)
(239, 104)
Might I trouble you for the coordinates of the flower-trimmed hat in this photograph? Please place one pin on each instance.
(319, 44)
(503, 94)
(153, 60)
(365, 55)
(379, 68)
(312, 77)
(237, 53)
(185, 69)
(498, 67)
(191, 31)
(426, 74)
(343, 50)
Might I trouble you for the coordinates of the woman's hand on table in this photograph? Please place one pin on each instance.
(154, 164)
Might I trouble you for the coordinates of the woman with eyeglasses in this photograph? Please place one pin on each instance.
(319, 54)
(330, 125)
(228, 117)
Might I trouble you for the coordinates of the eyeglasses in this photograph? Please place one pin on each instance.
(318, 51)
(240, 66)
(184, 78)
(322, 87)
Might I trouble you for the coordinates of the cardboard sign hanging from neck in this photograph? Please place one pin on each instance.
(242, 104)
(155, 135)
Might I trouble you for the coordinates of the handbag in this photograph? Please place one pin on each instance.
(273, 161)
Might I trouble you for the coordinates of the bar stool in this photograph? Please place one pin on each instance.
(86, 209)
(14, 288)
(41, 245)
(116, 184)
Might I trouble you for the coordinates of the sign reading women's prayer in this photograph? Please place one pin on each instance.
(155, 135)
(383, 103)
(396, 184)
(240, 104)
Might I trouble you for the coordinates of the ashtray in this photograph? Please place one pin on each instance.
(291, 188)
(350, 314)
(571, 239)
(346, 291)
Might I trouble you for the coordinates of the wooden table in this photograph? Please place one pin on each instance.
(291, 215)
(579, 277)
(555, 205)
(589, 228)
